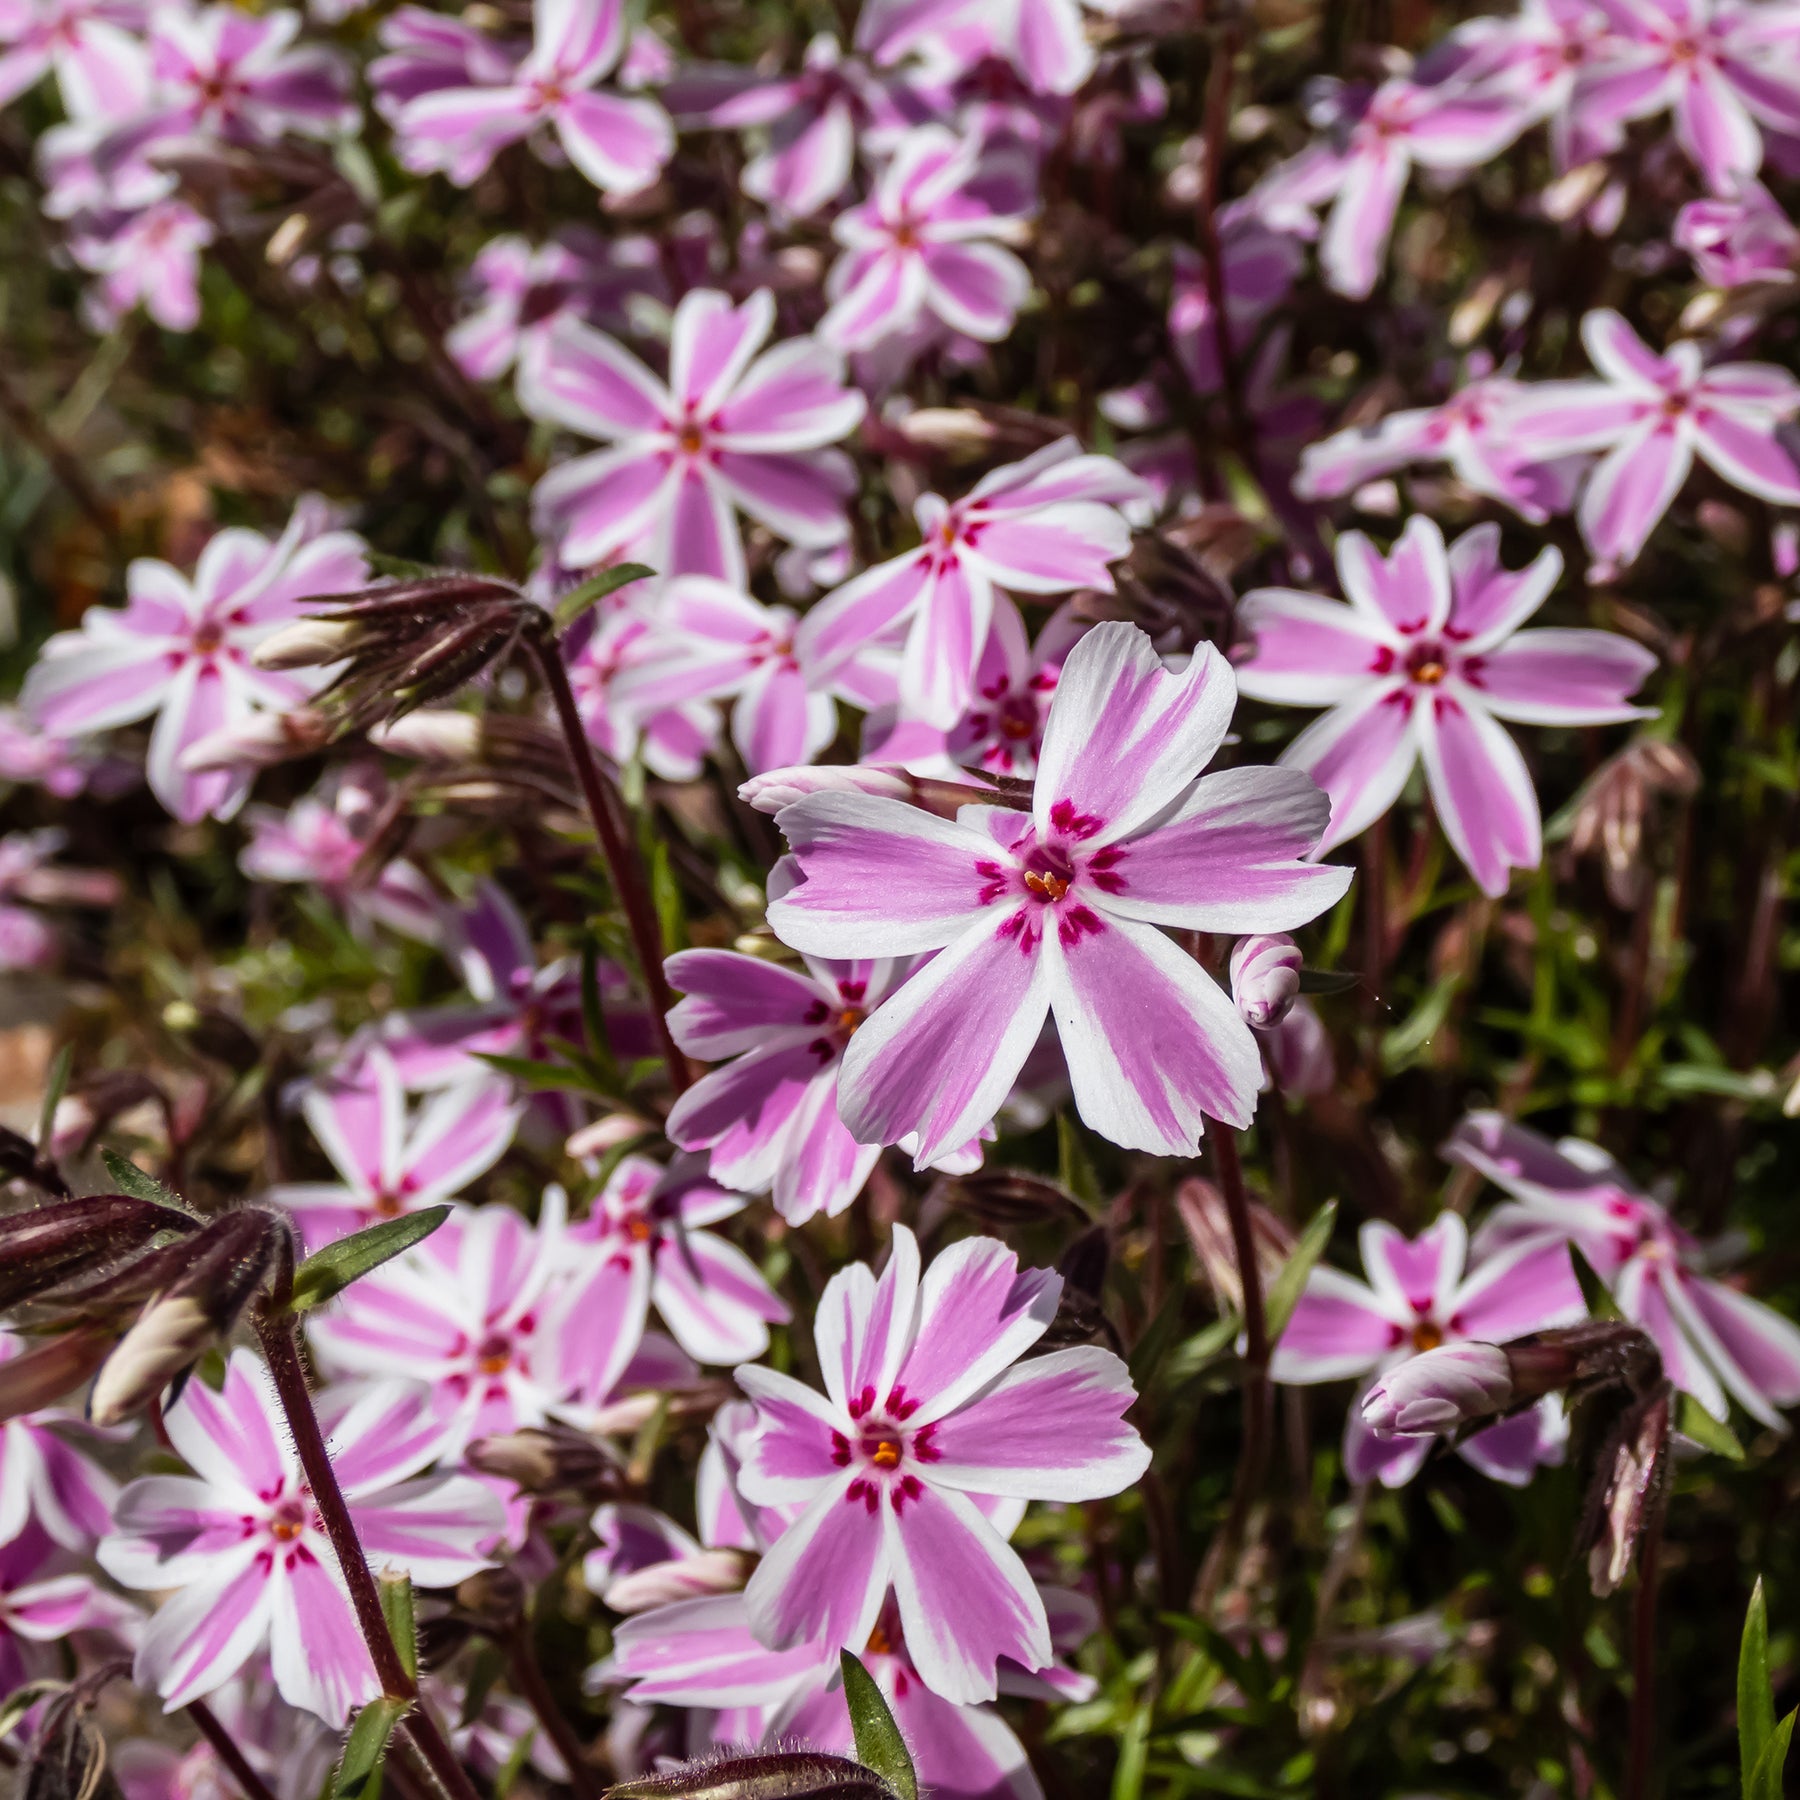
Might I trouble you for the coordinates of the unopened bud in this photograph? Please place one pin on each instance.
(306, 644)
(1438, 1390)
(171, 1334)
(1265, 979)
(762, 1775)
(606, 1133)
(263, 739)
(770, 792)
(1628, 1491)
(431, 735)
(546, 1460)
(49, 1245)
(42, 1375)
(680, 1578)
(492, 1597)
(1207, 1220)
(952, 429)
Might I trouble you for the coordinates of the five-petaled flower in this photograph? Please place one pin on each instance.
(1422, 665)
(1058, 910)
(927, 1405)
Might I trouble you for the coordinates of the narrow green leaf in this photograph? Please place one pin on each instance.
(1698, 1426)
(397, 1609)
(329, 1271)
(1075, 1169)
(528, 1072)
(403, 568)
(486, 1667)
(1155, 1339)
(1764, 1782)
(879, 1745)
(1134, 1754)
(366, 1747)
(1755, 1698)
(55, 1087)
(593, 1012)
(508, 1777)
(1284, 1291)
(665, 892)
(133, 1181)
(647, 1442)
(595, 589)
(1329, 981)
(1594, 1291)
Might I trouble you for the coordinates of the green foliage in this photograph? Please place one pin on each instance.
(879, 1745)
(326, 1273)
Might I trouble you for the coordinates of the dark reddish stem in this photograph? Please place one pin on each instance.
(280, 1346)
(225, 1746)
(606, 809)
(528, 1679)
(1643, 1652)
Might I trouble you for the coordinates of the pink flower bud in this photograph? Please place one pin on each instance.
(1265, 979)
(777, 788)
(262, 739)
(679, 1578)
(1299, 1054)
(431, 735)
(1439, 1390)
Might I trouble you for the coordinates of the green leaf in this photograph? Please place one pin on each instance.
(397, 1609)
(329, 1271)
(366, 1747)
(539, 1077)
(1074, 1167)
(1155, 1339)
(1134, 1753)
(1285, 1290)
(879, 1745)
(133, 1181)
(593, 1013)
(1329, 981)
(403, 568)
(1698, 1426)
(54, 1088)
(665, 892)
(1755, 1698)
(1764, 1781)
(595, 589)
(1594, 1291)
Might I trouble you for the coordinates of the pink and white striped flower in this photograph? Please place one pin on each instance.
(46, 1597)
(644, 1243)
(1422, 665)
(181, 649)
(730, 430)
(467, 1312)
(619, 143)
(46, 1483)
(1058, 910)
(1716, 1341)
(1417, 1296)
(1653, 415)
(927, 243)
(240, 1551)
(674, 741)
(1041, 526)
(927, 1405)
(1743, 238)
(389, 1162)
(768, 1118)
(428, 52)
(1724, 69)
(293, 1751)
(149, 258)
(710, 641)
(67, 38)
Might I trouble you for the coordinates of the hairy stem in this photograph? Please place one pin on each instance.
(225, 1747)
(1642, 1739)
(606, 810)
(282, 1349)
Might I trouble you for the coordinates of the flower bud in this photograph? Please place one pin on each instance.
(1208, 1224)
(679, 1578)
(770, 792)
(49, 1245)
(431, 735)
(545, 1460)
(171, 1334)
(306, 644)
(494, 1598)
(1265, 979)
(42, 1375)
(263, 739)
(606, 1133)
(1438, 1390)
(761, 1775)
(1299, 1055)
(1629, 1481)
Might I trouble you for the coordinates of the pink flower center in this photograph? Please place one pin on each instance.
(209, 636)
(1018, 717)
(1428, 664)
(691, 439)
(288, 1521)
(881, 1448)
(495, 1355)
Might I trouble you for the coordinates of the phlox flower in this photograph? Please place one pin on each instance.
(467, 1312)
(46, 1483)
(1058, 909)
(518, 291)
(387, 1161)
(67, 38)
(293, 1751)
(642, 1560)
(45, 1596)
(620, 144)
(729, 430)
(240, 1551)
(1259, 266)
(1714, 1339)
(1471, 431)
(1002, 732)
(674, 741)
(927, 242)
(320, 841)
(1419, 1294)
(427, 52)
(181, 649)
(768, 1119)
(710, 641)
(1043, 41)
(1740, 239)
(63, 766)
(1724, 69)
(1421, 666)
(644, 1243)
(1653, 415)
(28, 880)
(1447, 126)
(1041, 526)
(927, 1404)
(149, 258)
